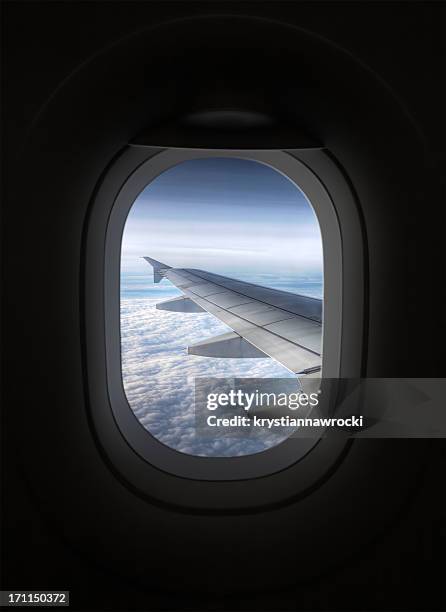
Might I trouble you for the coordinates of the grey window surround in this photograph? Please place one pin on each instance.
(123, 439)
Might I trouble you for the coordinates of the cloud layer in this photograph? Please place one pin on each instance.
(159, 377)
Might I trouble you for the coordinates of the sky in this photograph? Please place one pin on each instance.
(230, 216)
(225, 215)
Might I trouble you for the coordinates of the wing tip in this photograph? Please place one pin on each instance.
(159, 268)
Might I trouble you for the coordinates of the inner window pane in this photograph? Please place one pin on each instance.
(232, 217)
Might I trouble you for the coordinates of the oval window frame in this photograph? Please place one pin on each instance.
(125, 178)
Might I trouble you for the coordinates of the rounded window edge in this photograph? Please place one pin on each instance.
(125, 178)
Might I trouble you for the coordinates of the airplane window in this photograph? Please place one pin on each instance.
(221, 276)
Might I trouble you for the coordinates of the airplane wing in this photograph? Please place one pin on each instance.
(265, 322)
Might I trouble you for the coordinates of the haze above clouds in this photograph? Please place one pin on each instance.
(230, 216)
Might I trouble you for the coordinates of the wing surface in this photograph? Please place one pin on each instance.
(285, 326)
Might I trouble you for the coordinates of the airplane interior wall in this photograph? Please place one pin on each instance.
(82, 80)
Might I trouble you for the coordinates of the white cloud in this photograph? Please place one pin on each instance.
(158, 377)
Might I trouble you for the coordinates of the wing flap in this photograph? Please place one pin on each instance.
(300, 331)
(260, 314)
(274, 342)
(295, 358)
(229, 299)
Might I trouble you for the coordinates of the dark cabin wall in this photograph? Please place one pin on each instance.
(377, 107)
(366, 79)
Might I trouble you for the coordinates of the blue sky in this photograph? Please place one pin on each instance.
(226, 215)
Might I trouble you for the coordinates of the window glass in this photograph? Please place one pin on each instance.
(233, 217)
